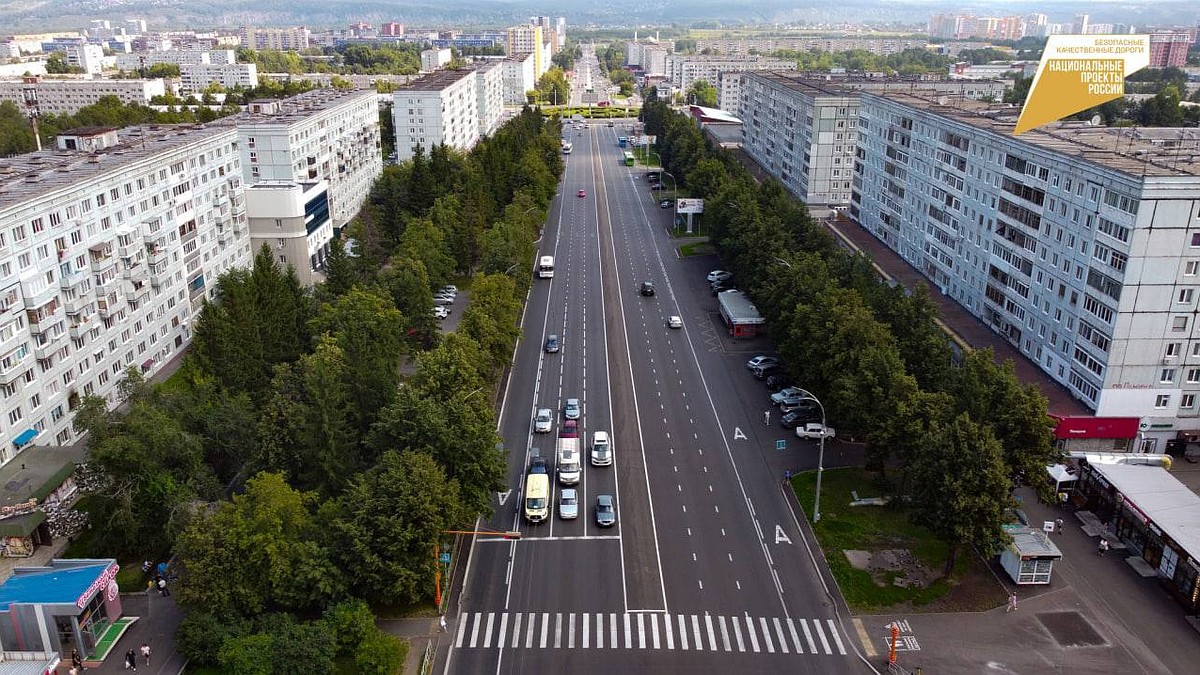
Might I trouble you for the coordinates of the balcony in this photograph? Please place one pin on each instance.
(42, 318)
(106, 287)
(134, 270)
(44, 349)
(136, 291)
(81, 328)
(70, 281)
(159, 275)
(108, 305)
(78, 304)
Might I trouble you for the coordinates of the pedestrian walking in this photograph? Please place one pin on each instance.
(1012, 603)
(162, 588)
(1058, 525)
(131, 660)
(767, 417)
(146, 652)
(76, 661)
(1103, 548)
(442, 623)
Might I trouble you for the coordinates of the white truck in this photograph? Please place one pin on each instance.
(568, 461)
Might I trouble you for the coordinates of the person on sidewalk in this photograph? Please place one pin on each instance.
(442, 623)
(76, 661)
(1012, 603)
(767, 417)
(1103, 548)
(131, 660)
(162, 588)
(1058, 525)
(146, 652)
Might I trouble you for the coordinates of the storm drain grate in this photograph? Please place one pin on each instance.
(1070, 629)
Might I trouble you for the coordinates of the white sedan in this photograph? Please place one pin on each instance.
(815, 431)
(440, 312)
(674, 322)
(543, 420)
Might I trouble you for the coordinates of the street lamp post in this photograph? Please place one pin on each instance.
(820, 462)
(675, 200)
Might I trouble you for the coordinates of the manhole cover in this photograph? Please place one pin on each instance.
(1070, 629)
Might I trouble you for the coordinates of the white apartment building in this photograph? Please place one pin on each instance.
(650, 55)
(319, 135)
(1079, 244)
(68, 96)
(804, 130)
(181, 57)
(88, 57)
(196, 77)
(433, 59)
(292, 219)
(529, 39)
(684, 70)
(518, 78)
(283, 39)
(109, 245)
(750, 46)
(489, 96)
(440, 108)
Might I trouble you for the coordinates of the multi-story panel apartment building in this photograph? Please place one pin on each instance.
(181, 57)
(648, 54)
(489, 95)
(109, 245)
(447, 107)
(196, 77)
(518, 78)
(684, 70)
(750, 46)
(284, 39)
(804, 130)
(68, 96)
(319, 135)
(529, 39)
(292, 220)
(1169, 50)
(1079, 244)
(87, 57)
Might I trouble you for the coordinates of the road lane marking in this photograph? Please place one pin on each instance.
(737, 634)
(641, 631)
(612, 632)
(599, 631)
(654, 629)
(571, 630)
(821, 635)
(712, 636)
(529, 633)
(795, 636)
(698, 642)
(783, 646)
(545, 628)
(683, 644)
(766, 634)
(724, 633)
(516, 634)
(812, 646)
(628, 632)
(475, 630)
(753, 635)
(833, 632)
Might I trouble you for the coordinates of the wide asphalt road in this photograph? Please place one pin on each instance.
(707, 570)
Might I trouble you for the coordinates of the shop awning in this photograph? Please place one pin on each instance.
(147, 363)
(25, 437)
(1096, 427)
(22, 526)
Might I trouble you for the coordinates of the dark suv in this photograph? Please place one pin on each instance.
(646, 288)
(799, 416)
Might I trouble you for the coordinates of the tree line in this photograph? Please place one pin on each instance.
(318, 443)
(954, 437)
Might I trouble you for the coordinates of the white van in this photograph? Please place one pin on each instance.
(602, 453)
(568, 461)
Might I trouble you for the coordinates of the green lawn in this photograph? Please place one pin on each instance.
(696, 248)
(870, 528)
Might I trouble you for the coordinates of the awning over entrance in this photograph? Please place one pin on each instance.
(25, 437)
(1096, 427)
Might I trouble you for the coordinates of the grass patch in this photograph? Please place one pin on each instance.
(871, 528)
(697, 248)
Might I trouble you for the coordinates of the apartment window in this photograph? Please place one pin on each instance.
(1162, 400)
(1196, 240)
(1189, 270)
(1193, 375)
(1173, 349)
(1179, 324)
(1187, 401)
(15, 415)
(1185, 295)
(1167, 376)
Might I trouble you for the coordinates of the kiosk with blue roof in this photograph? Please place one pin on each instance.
(69, 604)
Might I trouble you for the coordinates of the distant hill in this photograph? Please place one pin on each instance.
(43, 15)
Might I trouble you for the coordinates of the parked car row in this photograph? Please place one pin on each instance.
(799, 409)
(446, 295)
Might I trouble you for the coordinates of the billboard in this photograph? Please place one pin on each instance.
(689, 205)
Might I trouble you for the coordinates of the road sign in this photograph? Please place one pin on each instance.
(781, 444)
(444, 558)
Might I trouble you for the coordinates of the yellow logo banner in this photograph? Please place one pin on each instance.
(1078, 72)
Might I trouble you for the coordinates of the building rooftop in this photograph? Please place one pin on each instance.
(64, 582)
(1136, 151)
(24, 177)
(738, 307)
(301, 107)
(436, 81)
(838, 85)
(1160, 497)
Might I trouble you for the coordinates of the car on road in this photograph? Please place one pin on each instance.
(583, 193)
(761, 361)
(543, 420)
(602, 453)
(552, 345)
(570, 429)
(777, 382)
(674, 321)
(666, 204)
(719, 275)
(790, 396)
(646, 289)
(721, 287)
(802, 404)
(537, 463)
(763, 372)
(798, 417)
(440, 312)
(568, 504)
(571, 409)
(815, 431)
(606, 511)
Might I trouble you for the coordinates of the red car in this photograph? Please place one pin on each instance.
(583, 193)
(570, 429)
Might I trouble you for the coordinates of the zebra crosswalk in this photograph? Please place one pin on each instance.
(647, 630)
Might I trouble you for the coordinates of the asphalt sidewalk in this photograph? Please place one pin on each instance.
(158, 619)
(1096, 616)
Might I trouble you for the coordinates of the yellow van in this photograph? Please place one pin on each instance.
(537, 497)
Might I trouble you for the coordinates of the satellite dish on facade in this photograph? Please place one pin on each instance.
(1095, 121)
